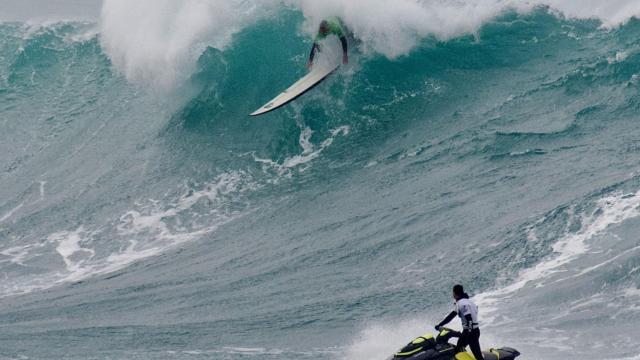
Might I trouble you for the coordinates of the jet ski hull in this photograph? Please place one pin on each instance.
(426, 347)
(449, 353)
(501, 354)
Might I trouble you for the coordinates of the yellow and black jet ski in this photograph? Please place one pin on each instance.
(426, 347)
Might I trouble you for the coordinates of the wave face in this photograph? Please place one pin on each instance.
(144, 215)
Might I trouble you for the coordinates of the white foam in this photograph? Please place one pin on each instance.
(69, 247)
(309, 152)
(392, 27)
(620, 56)
(379, 340)
(159, 41)
(17, 254)
(611, 13)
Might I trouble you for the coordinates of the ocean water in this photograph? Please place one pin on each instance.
(144, 215)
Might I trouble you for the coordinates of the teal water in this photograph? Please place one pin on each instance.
(141, 224)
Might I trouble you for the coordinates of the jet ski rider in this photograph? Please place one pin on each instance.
(468, 312)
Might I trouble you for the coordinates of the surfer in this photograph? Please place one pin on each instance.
(330, 27)
(327, 27)
(468, 312)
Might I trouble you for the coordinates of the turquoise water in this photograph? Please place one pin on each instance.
(138, 223)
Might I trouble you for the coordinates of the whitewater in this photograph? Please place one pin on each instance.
(145, 215)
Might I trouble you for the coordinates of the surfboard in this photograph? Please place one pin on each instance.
(313, 78)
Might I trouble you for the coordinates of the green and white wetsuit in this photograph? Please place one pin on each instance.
(335, 28)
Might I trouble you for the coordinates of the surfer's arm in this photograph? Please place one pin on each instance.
(314, 50)
(345, 49)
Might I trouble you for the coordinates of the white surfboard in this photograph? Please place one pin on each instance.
(313, 78)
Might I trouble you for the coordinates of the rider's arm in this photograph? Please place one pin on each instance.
(345, 50)
(314, 50)
(448, 319)
(469, 320)
(345, 46)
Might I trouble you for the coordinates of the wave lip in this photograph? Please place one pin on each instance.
(158, 42)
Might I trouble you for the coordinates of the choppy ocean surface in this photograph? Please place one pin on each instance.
(144, 215)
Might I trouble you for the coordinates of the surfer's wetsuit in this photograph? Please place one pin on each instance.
(334, 27)
(468, 313)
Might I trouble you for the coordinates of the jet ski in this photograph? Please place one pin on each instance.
(426, 347)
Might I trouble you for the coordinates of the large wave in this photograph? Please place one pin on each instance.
(158, 42)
